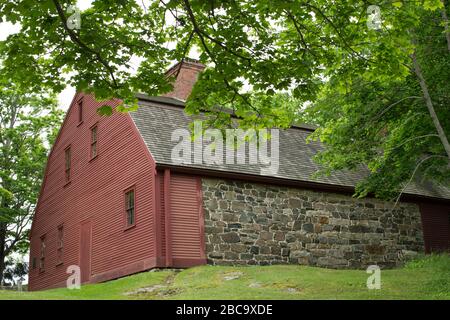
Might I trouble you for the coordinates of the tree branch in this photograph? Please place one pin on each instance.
(446, 24)
(186, 48)
(379, 115)
(429, 103)
(412, 139)
(336, 29)
(297, 27)
(412, 176)
(205, 46)
(74, 37)
(202, 33)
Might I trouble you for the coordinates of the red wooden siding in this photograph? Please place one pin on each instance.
(95, 192)
(85, 251)
(186, 221)
(161, 230)
(436, 227)
(162, 216)
(167, 217)
(181, 219)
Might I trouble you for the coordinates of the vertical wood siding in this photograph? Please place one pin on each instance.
(186, 221)
(436, 227)
(95, 192)
(162, 213)
(85, 251)
(180, 213)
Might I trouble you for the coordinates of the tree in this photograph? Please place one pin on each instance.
(14, 269)
(295, 46)
(272, 45)
(398, 128)
(27, 129)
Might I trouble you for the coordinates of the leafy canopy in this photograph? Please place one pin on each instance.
(271, 46)
(385, 124)
(28, 124)
(328, 54)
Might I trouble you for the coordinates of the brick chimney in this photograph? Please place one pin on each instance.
(186, 73)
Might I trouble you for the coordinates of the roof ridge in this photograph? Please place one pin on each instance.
(181, 104)
(157, 122)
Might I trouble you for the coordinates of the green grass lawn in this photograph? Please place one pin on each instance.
(425, 278)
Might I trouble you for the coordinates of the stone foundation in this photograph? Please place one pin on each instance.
(256, 224)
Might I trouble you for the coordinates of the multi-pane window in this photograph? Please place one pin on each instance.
(449, 231)
(68, 160)
(60, 245)
(80, 111)
(94, 142)
(42, 255)
(129, 207)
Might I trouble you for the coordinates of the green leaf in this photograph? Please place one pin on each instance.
(105, 110)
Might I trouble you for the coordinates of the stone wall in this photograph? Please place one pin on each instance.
(248, 223)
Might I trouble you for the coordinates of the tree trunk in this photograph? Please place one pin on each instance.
(2, 250)
(4, 203)
(446, 24)
(429, 103)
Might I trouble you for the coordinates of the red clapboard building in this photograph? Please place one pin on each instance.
(114, 204)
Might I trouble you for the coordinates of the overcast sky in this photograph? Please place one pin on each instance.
(65, 97)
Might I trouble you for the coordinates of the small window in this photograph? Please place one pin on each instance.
(60, 245)
(129, 207)
(80, 111)
(33, 263)
(94, 141)
(68, 156)
(42, 255)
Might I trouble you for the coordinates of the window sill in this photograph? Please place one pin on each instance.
(129, 227)
(67, 183)
(59, 264)
(79, 123)
(93, 158)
